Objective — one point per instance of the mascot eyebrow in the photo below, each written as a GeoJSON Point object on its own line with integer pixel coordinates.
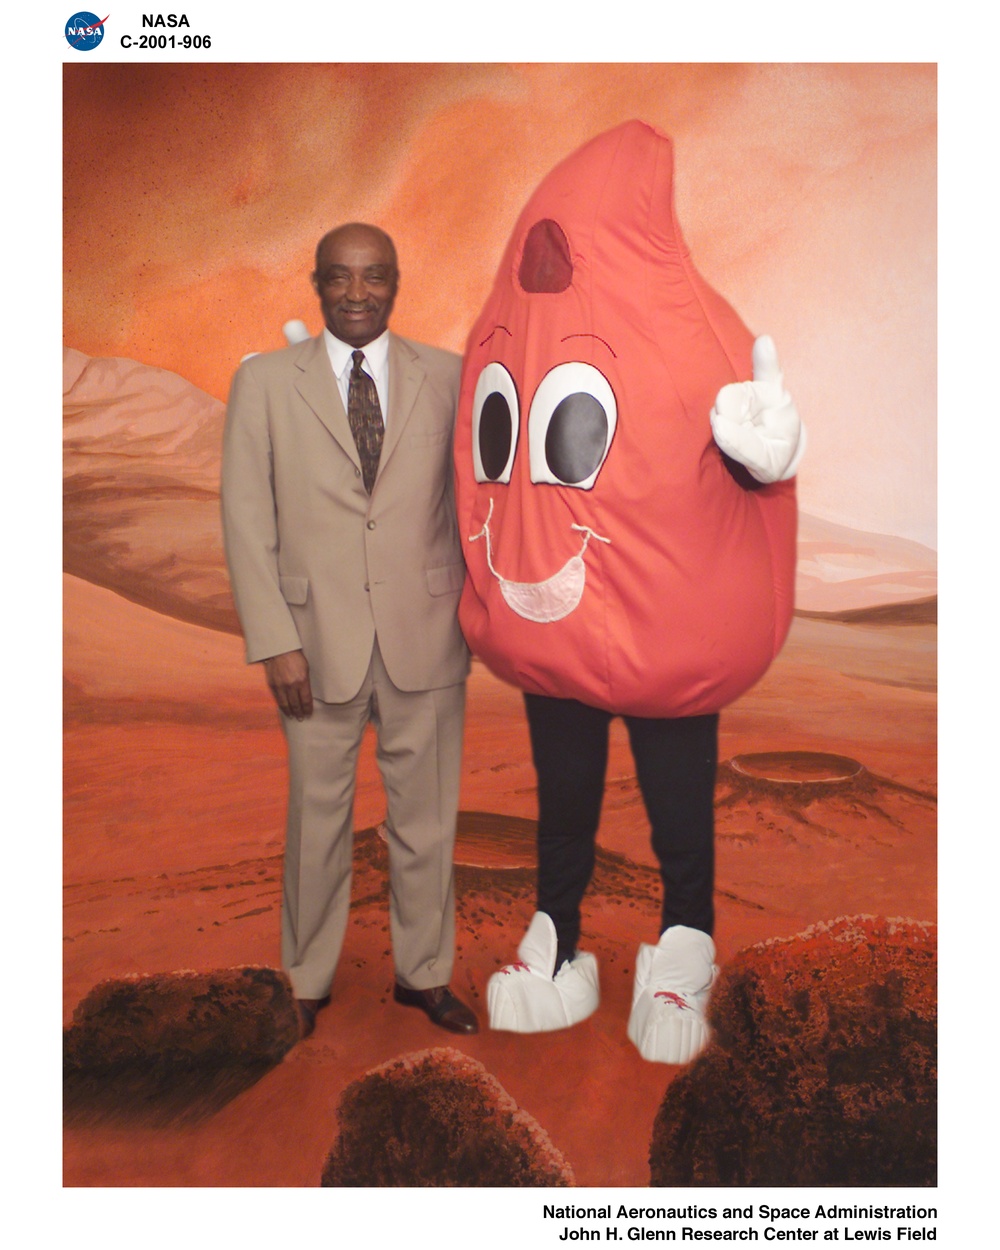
{"type": "Point", "coordinates": [492, 332]}
{"type": "Point", "coordinates": [583, 334]}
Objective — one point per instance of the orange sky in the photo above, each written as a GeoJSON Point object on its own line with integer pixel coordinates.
{"type": "Point", "coordinates": [807, 194]}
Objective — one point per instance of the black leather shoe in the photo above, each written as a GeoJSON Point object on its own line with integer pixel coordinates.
{"type": "Point", "coordinates": [307, 1009]}
{"type": "Point", "coordinates": [440, 1006]}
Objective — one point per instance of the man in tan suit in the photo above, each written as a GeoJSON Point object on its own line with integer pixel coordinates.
{"type": "Point", "coordinates": [346, 569]}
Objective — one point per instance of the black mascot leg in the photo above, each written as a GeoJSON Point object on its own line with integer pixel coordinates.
{"type": "Point", "coordinates": [675, 761]}
{"type": "Point", "coordinates": [569, 745]}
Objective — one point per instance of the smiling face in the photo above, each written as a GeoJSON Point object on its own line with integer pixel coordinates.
{"type": "Point", "coordinates": [356, 279]}
{"type": "Point", "coordinates": [612, 556]}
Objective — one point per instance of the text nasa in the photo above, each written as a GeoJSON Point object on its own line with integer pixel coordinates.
{"type": "Point", "coordinates": [748, 1234]}
{"type": "Point", "coordinates": [179, 36]}
{"type": "Point", "coordinates": [764, 1212]}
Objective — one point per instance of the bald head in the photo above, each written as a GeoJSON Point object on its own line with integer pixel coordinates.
{"type": "Point", "coordinates": [355, 230]}
{"type": "Point", "coordinates": [356, 279]}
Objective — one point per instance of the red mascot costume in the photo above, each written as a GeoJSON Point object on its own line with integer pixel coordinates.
{"type": "Point", "coordinates": [628, 514]}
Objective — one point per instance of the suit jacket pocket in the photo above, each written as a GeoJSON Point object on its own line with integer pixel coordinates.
{"type": "Point", "coordinates": [446, 578]}
{"type": "Point", "coordinates": [295, 589]}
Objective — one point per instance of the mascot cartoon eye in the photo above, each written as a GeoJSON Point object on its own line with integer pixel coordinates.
{"type": "Point", "coordinates": [571, 424]}
{"type": "Point", "coordinates": [495, 422]}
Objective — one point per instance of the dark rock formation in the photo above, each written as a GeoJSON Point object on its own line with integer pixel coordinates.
{"type": "Point", "coordinates": [174, 1047]}
{"type": "Point", "coordinates": [822, 1067]}
{"type": "Point", "coordinates": [437, 1117]}
{"type": "Point", "coordinates": [183, 1020]}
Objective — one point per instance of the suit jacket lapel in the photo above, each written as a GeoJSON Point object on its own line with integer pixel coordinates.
{"type": "Point", "coordinates": [406, 376]}
{"type": "Point", "coordinates": [318, 387]}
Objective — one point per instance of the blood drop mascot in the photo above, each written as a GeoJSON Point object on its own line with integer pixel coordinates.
{"type": "Point", "coordinates": [625, 454]}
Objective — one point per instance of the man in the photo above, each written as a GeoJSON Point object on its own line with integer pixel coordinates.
{"type": "Point", "coordinates": [346, 568]}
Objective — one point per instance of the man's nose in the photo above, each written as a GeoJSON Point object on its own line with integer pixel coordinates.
{"type": "Point", "coordinates": [357, 292]}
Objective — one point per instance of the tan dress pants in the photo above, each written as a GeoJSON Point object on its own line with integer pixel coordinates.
{"type": "Point", "coordinates": [419, 754]}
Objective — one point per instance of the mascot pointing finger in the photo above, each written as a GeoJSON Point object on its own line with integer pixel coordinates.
{"type": "Point", "coordinates": [625, 459]}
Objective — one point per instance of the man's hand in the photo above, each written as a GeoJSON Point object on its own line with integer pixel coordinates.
{"type": "Point", "coordinates": [288, 676]}
{"type": "Point", "coordinates": [756, 422]}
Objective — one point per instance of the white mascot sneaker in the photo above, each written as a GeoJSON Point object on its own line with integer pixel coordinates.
{"type": "Point", "coordinates": [524, 997]}
{"type": "Point", "coordinates": [672, 983]}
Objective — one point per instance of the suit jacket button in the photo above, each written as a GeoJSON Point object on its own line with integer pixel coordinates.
{"type": "Point", "coordinates": [367, 587]}
{"type": "Point", "coordinates": [371, 525]}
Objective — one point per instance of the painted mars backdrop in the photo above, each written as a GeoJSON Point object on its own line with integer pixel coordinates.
{"type": "Point", "coordinates": [807, 197]}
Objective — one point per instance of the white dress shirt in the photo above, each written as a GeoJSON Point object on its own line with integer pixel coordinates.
{"type": "Point", "coordinates": [376, 365]}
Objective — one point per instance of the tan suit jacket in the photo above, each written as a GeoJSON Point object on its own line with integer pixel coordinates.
{"type": "Point", "coordinates": [314, 561]}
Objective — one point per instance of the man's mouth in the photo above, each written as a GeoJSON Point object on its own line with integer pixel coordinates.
{"type": "Point", "coordinates": [549, 600]}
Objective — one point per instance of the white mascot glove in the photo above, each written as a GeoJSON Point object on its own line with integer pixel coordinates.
{"type": "Point", "coordinates": [757, 423]}
{"type": "Point", "coordinates": [294, 332]}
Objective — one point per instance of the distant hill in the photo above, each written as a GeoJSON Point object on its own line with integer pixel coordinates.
{"type": "Point", "coordinates": [846, 570]}
{"type": "Point", "coordinates": [916, 612]}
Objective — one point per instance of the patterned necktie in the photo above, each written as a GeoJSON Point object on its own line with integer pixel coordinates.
{"type": "Point", "coordinates": [365, 416]}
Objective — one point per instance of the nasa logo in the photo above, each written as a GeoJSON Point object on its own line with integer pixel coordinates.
{"type": "Point", "coordinates": [84, 31]}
